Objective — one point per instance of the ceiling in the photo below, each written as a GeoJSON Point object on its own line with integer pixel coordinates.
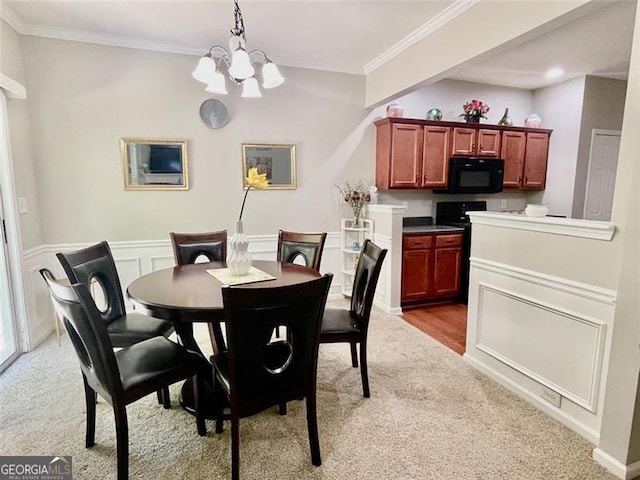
{"type": "Point", "coordinates": [342, 36]}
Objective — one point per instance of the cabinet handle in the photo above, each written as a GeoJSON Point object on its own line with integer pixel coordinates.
{"type": "Point", "coordinates": [473, 146]}
{"type": "Point", "coordinates": [424, 179]}
{"type": "Point", "coordinates": [480, 147]}
{"type": "Point", "coordinates": [519, 178]}
{"type": "Point", "coordinates": [417, 178]}
{"type": "Point", "coordinates": [526, 179]}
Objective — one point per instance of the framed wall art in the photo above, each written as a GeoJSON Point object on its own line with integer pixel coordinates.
{"type": "Point", "coordinates": [154, 164]}
{"type": "Point", "coordinates": [277, 161]}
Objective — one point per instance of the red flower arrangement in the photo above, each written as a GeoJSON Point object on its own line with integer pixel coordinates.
{"type": "Point", "coordinates": [474, 110]}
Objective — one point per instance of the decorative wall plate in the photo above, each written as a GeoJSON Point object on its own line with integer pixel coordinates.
{"type": "Point", "coordinates": [214, 113]}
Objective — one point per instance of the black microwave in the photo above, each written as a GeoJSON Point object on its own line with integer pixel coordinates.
{"type": "Point", "coordinates": [474, 175]}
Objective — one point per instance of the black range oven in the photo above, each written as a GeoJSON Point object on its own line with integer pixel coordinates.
{"type": "Point", "coordinates": [455, 213]}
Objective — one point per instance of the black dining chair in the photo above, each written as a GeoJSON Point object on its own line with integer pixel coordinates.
{"type": "Point", "coordinates": [124, 376]}
{"type": "Point", "coordinates": [95, 264]}
{"type": "Point", "coordinates": [258, 372]}
{"type": "Point", "coordinates": [352, 326]}
{"type": "Point", "coordinates": [187, 248]}
{"type": "Point", "coordinates": [308, 246]}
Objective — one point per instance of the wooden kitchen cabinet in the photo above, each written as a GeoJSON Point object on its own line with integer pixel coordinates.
{"type": "Point", "coordinates": [435, 156]}
{"type": "Point", "coordinates": [447, 265]}
{"type": "Point", "coordinates": [431, 266]}
{"type": "Point", "coordinates": [525, 159]}
{"type": "Point", "coordinates": [475, 142]}
{"type": "Point", "coordinates": [513, 145]}
{"type": "Point", "coordinates": [412, 156]}
{"type": "Point", "coordinates": [535, 161]}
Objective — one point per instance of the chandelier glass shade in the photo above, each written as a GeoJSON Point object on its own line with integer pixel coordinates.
{"type": "Point", "coordinates": [238, 64]}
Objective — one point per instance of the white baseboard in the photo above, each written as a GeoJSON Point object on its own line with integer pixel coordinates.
{"type": "Point", "coordinates": [583, 430]}
{"type": "Point", "coordinates": [625, 472]}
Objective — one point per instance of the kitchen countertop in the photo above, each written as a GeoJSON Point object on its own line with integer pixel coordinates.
{"type": "Point", "coordinates": [432, 229]}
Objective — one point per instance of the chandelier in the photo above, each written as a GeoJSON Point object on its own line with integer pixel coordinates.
{"type": "Point", "coordinates": [238, 64]}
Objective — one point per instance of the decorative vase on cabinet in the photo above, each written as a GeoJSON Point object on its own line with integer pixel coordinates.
{"type": "Point", "coordinates": [351, 240]}
{"type": "Point", "coordinates": [506, 119]}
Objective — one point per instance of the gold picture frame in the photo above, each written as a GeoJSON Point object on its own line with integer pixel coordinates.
{"type": "Point", "coordinates": [154, 164]}
{"type": "Point", "coordinates": [277, 161]}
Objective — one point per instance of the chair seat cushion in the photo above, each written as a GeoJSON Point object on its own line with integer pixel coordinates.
{"type": "Point", "coordinates": [135, 327]}
{"type": "Point", "coordinates": [274, 355]}
{"type": "Point", "coordinates": [150, 364]}
{"type": "Point", "coordinates": [338, 322]}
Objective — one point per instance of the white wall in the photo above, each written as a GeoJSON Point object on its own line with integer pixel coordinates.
{"type": "Point", "coordinates": [84, 97]}
{"type": "Point", "coordinates": [560, 107]}
{"type": "Point", "coordinates": [602, 107]}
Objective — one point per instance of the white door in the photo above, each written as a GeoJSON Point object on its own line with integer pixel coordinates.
{"type": "Point", "coordinates": [8, 344]}
{"type": "Point", "coordinates": [601, 179]}
{"type": "Point", "coordinates": [8, 317]}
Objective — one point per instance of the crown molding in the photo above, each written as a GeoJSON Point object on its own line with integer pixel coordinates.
{"type": "Point", "coordinates": [440, 20]}
{"type": "Point", "coordinates": [448, 14]}
{"type": "Point", "coordinates": [11, 18]}
{"type": "Point", "coordinates": [129, 42]}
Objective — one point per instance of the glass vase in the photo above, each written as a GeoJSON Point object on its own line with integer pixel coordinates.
{"type": "Point", "coordinates": [357, 219]}
{"type": "Point", "coordinates": [239, 261]}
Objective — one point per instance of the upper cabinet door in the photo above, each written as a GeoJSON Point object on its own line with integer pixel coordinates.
{"type": "Point", "coordinates": [464, 141]}
{"type": "Point", "coordinates": [512, 152]}
{"type": "Point", "coordinates": [435, 156]}
{"type": "Point", "coordinates": [406, 156]}
{"type": "Point", "coordinates": [535, 161]}
{"type": "Point", "coordinates": [488, 144]}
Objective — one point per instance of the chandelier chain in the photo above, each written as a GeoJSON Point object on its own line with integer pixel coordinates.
{"type": "Point", "coordinates": [239, 28]}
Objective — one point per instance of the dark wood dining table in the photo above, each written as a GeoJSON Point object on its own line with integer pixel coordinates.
{"type": "Point", "coordinates": [188, 294]}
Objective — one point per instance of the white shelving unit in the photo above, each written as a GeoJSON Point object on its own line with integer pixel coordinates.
{"type": "Point", "coordinates": [351, 240]}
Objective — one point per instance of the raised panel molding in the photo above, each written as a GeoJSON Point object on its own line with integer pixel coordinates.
{"type": "Point", "coordinates": [560, 350]}
{"type": "Point", "coordinates": [133, 259]}
{"type": "Point", "coordinates": [531, 331]}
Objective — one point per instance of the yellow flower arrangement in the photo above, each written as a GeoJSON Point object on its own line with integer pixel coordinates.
{"type": "Point", "coordinates": [255, 180]}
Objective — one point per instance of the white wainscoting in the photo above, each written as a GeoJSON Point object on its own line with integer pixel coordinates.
{"type": "Point", "coordinates": [531, 331]}
{"type": "Point", "coordinates": [136, 258]}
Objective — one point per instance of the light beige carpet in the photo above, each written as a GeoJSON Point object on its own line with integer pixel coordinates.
{"type": "Point", "coordinates": [430, 416]}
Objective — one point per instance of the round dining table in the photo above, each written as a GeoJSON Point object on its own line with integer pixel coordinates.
{"type": "Point", "coordinates": [186, 294]}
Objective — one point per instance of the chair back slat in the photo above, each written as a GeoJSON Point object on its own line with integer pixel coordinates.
{"type": "Point", "coordinates": [96, 263]}
{"type": "Point", "coordinates": [365, 282]}
{"type": "Point", "coordinates": [309, 246]}
{"type": "Point", "coordinates": [260, 367]}
{"type": "Point", "coordinates": [187, 247]}
{"type": "Point", "coordinates": [88, 334]}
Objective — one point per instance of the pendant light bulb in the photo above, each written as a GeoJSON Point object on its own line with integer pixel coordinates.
{"type": "Point", "coordinates": [205, 69]}
{"type": "Point", "coordinates": [250, 88]}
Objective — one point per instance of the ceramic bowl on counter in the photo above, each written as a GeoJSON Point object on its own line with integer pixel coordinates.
{"type": "Point", "coordinates": [534, 210]}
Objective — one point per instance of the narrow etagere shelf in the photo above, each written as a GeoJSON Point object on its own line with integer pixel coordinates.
{"type": "Point", "coordinates": [351, 240]}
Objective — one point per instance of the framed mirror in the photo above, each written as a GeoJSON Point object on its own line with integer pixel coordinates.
{"type": "Point", "coordinates": [278, 161]}
{"type": "Point", "coordinates": [154, 164]}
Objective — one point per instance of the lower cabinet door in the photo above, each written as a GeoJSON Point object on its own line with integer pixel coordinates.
{"type": "Point", "coordinates": [416, 274]}
{"type": "Point", "coordinates": [447, 264]}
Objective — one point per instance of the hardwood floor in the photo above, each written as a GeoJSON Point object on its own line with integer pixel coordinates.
{"type": "Point", "coordinates": [445, 323]}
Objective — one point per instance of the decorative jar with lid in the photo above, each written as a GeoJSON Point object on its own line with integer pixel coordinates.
{"type": "Point", "coordinates": [395, 110]}
{"type": "Point", "coordinates": [533, 121]}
